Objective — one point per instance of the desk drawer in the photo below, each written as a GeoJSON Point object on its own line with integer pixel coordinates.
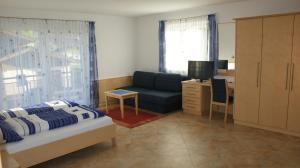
{"type": "Point", "coordinates": [196, 94]}
{"type": "Point", "coordinates": [191, 88]}
{"type": "Point", "coordinates": [191, 100]}
{"type": "Point", "coordinates": [188, 106]}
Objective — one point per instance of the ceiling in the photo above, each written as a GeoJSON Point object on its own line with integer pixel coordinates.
{"type": "Point", "coordinates": [113, 7]}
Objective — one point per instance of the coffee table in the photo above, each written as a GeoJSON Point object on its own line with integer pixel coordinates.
{"type": "Point", "coordinates": [121, 94]}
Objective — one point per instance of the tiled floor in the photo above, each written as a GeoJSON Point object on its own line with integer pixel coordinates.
{"type": "Point", "coordinates": [184, 141]}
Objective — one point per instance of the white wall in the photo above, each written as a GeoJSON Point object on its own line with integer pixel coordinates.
{"type": "Point", "coordinates": [147, 54]}
{"type": "Point", "coordinates": [127, 44]}
{"type": "Point", "coordinates": [114, 35]}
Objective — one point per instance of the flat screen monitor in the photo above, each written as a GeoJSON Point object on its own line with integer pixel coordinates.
{"type": "Point", "coordinates": [223, 64]}
{"type": "Point", "coordinates": [202, 70]}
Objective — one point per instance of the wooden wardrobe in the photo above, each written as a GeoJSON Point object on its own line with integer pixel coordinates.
{"type": "Point", "coordinates": [267, 86]}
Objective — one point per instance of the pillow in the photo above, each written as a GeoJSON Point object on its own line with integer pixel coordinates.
{"type": "Point", "coordinates": [70, 103]}
{"type": "Point", "coordinates": [12, 113]}
{"type": "Point", "coordinates": [7, 134]}
{"type": "Point", "coordinates": [143, 79]}
{"type": "Point", "coordinates": [35, 109]}
{"type": "Point", "coordinates": [21, 112]}
{"type": "Point", "coordinates": [57, 104]}
{"type": "Point", "coordinates": [168, 82]}
{"type": "Point", "coordinates": [41, 108]}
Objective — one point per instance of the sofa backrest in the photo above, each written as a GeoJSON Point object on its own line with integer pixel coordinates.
{"type": "Point", "coordinates": [158, 81]}
{"type": "Point", "coordinates": [168, 82]}
{"type": "Point", "coordinates": [144, 79]}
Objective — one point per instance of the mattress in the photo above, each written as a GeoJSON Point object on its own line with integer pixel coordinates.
{"type": "Point", "coordinates": [57, 134]}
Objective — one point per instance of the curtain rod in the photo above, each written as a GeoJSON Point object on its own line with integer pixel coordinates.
{"type": "Point", "coordinates": [188, 17]}
{"type": "Point", "coordinates": [46, 19]}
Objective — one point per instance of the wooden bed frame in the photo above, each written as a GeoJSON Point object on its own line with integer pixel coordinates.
{"type": "Point", "coordinates": [57, 148]}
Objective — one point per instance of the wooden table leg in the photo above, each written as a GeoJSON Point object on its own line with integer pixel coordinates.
{"type": "Point", "coordinates": [136, 105]}
{"type": "Point", "coordinates": [106, 103]}
{"type": "Point", "coordinates": [122, 107]}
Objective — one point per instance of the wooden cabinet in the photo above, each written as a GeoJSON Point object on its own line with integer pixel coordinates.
{"type": "Point", "coordinates": [274, 103]}
{"type": "Point", "coordinates": [248, 65]}
{"type": "Point", "coordinates": [294, 105]}
{"type": "Point", "coordinates": [195, 97]}
{"type": "Point", "coordinates": [276, 61]}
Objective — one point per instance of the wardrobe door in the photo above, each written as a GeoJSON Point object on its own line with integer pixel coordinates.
{"type": "Point", "coordinates": [294, 104]}
{"type": "Point", "coordinates": [276, 63]}
{"type": "Point", "coordinates": [248, 62]}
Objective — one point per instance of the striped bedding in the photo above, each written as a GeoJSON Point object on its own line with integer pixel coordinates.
{"type": "Point", "coordinates": [44, 107]}
{"type": "Point", "coordinates": [47, 116]}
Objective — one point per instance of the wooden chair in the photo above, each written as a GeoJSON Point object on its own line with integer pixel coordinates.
{"type": "Point", "coordinates": [220, 96]}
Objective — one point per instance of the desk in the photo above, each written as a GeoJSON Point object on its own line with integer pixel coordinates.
{"type": "Point", "coordinates": [196, 96]}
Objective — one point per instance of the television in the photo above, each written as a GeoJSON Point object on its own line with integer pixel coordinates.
{"type": "Point", "coordinates": [223, 64]}
{"type": "Point", "coordinates": [203, 70]}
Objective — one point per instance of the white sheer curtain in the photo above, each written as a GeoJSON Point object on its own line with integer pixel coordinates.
{"type": "Point", "coordinates": [42, 60]}
{"type": "Point", "coordinates": [186, 39]}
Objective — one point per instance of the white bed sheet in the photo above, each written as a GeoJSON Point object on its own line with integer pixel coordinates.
{"type": "Point", "coordinates": [57, 134]}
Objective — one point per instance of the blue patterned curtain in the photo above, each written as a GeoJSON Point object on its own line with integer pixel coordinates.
{"type": "Point", "coordinates": [94, 89]}
{"type": "Point", "coordinates": [213, 40]}
{"type": "Point", "coordinates": [43, 60]}
{"type": "Point", "coordinates": [162, 47]}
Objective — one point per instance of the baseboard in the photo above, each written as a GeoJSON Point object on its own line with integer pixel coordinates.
{"type": "Point", "coordinates": [266, 128]}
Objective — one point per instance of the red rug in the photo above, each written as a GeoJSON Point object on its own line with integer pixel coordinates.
{"type": "Point", "coordinates": [132, 120]}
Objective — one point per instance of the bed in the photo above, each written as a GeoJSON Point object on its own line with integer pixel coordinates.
{"type": "Point", "coordinates": [38, 148]}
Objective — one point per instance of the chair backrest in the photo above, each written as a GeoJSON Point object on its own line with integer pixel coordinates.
{"type": "Point", "coordinates": [219, 90]}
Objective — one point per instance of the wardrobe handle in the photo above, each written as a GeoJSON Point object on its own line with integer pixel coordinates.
{"type": "Point", "coordinates": [292, 78]}
{"type": "Point", "coordinates": [257, 74]}
{"type": "Point", "coordinates": [287, 76]}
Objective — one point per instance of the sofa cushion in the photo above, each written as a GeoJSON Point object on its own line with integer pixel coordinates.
{"type": "Point", "coordinates": [154, 107]}
{"type": "Point", "coordinates": [143, 79]}
{"type": "Point", "coordinates": [156, 96]}
{"type": "Point", "coordinates": [163, 97]}
{"type": "Point", "coordinates": [168, 82]}
{"type": "Point", "coordinates": [143, 94]}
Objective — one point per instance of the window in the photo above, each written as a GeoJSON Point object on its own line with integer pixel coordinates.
{"type": "Point", "coordinates": [186, 39]}
{"type": "Point", "coordinates": [42, 60]}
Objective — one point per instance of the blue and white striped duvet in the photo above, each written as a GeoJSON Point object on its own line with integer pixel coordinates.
{"type": "Point", "coordinates": [40, 108]}
{"type": "Point", "coordinates": [47, 116]}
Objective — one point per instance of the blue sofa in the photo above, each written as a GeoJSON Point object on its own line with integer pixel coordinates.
{"type": "Point", "coordinates": [159, 92]}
